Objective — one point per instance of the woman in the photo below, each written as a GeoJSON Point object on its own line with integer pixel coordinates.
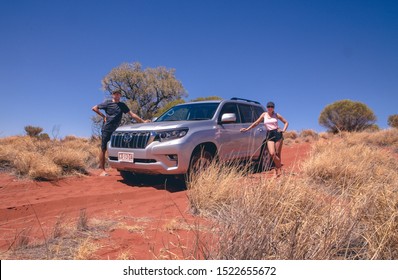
{"type": "Point", "coordinates": [274, 138]}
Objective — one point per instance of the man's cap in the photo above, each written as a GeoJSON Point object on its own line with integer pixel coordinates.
{"type": "Point", "coordinates": [271, 104]}
{"type": "Point", "coordinates": [116, 91]}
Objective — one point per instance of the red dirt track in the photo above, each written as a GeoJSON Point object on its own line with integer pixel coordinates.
{"type": "Point", "coordinates": [147, 215]}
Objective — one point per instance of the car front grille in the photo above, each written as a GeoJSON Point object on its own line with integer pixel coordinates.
{"type": "Point", "coordinates": [130, 139]}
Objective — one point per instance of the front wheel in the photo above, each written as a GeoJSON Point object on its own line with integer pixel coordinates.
{"type": "Point", "coordinates": [200, 160]}
{"type": "Point", "coordinates": [126, 175]}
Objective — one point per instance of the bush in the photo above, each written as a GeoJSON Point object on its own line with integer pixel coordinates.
{"type": "Point", "coordinates": [50, 159]}
{"type": "Point", "coordinates": [393, 121]}
{"type": "Point", "coordinates": [33, 131]}
{"type": "Point", "coordinates": [35, 166]}
{"type": "Point", "coordinates": [290, 135]}
{"type": "Point", "coordinates": [43, 137]}
{"type": "Point", "coordinates": [346, 115]}
{"type": "Point", "coordinates": [308, 133]}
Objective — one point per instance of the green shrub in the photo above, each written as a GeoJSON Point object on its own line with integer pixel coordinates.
{"type": "Point", "coordinates": [33, 131]}
{"type": "Point", "coordinates": [393, 121]}
{"type": "Point", "coordinates": [346, 115]}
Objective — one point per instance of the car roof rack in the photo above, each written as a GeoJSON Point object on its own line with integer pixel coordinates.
{"type": "Point", "coordinates": [247, 100]}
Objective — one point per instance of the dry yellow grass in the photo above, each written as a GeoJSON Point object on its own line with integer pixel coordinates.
{"type": "Point", "coordinates": [211, 187]}
{"type": "Point", "coordinates": [86, 249]}
{"type": "Point", "coordinates": [67, 240]}
{"type": "Point", "coordinates": [48, 159]}
{"type": "Point", "coordinates": [344, 205]}
{"type": "Point", "coordinates": [290, 135]}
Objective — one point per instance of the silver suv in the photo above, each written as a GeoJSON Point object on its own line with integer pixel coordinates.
{"type": "Point", "coordinates": [188, 136]}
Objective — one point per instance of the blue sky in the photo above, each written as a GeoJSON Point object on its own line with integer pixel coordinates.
{"type": "Point", "coordinates": [303, 55]}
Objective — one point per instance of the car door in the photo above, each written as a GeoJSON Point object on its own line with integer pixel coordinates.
{"type": "Point", "coordinates": [255, 136]}
{"type": "Point", "coordinates": [231, 142]}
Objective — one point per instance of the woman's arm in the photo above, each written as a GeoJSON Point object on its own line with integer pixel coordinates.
{"type": "Point", "coordinates": [282, 119]}
{"type": "Point", "coordinates": [260, 119]}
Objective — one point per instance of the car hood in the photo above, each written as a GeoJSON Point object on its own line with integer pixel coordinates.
{"type": "Point", "coordinates": [160, 125]}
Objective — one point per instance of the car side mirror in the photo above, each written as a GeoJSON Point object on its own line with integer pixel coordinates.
{"type": "Point", "coordinates": [228, 118]}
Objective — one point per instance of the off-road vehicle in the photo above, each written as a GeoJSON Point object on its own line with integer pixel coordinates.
{"type": "Point", "coordinates": [189, 136]}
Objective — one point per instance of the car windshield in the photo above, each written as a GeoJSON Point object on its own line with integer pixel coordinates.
{"type": "Point", "coordinates": [189, 112]}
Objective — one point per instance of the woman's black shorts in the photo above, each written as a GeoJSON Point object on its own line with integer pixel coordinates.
{"type": "Point", "coordinates": [274, 135]}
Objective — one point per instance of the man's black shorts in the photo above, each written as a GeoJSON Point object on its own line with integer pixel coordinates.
{"type": "Point", "coordinates": [106, 136]}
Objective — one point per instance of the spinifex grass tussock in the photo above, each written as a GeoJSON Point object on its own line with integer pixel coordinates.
{"type": "Point", "coordinates": [383, 138]}
{"type": "Point", "coordinates": [274, 219]}
{"type": "Point", "coordinates": [69, 159]}
{"type": "Point", "coordinates": [212, 187]}
{"type": "Point", "coordinates": [367, 178]}
{"type": "Point", "coordinates": [344, 205]}
{"type": "Point", "coordinates": [309, 133]}
{"type": "Point", "coordinates": [47, 159]}
{"type": "Point", "coordinates": [290, 135]}
{"type": "Point", "coordinates": [350, 167]}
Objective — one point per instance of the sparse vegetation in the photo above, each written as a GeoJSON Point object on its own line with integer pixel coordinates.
{"type": "Point", "coordinates": [40, 159]}
{"type": "Point", "coordinates": [67, 241]}
{"type": "Point", "coordinates": [342, 206]}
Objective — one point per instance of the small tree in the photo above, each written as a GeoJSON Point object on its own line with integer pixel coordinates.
{"type": "Point", "coordinates": [346, 115]}
{"type": "Point", "coordinates": [393, 121]}
{"type": "Point", "coordinates": [168, 106]}
{"type": "Point", "coordinates": [206, 98]}
{"type": "Point", "coordinates": [33, 131]}
{"type": "Point", "coordinates": [146, 90]}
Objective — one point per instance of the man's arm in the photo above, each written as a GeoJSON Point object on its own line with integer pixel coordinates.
{"type": "Point", "coordinates": [136, 117]}
{"type": "Point", "coordinates": [96, 109]}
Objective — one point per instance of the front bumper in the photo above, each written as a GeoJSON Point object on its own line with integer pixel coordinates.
{"type": "Point", "coordinates": [157, 158]}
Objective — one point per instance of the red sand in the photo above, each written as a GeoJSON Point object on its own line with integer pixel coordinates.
{"type": "Point", "coordinates": [148, 219]}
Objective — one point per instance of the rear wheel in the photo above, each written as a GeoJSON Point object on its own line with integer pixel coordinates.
{"type": "Point", "coordinates": [265, 162]}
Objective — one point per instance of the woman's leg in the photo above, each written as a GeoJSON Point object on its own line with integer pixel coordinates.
{"type": "Point", "coordinates": [274, 156]}
{"type": "Point", "coordinates": [278, 147]}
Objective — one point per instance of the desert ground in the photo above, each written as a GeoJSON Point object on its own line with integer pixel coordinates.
{"type": "Point", "coordinates": [93, 217]}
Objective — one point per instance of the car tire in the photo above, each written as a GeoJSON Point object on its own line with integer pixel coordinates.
{"type": "Point", "coordinates": [200, 160]}
{"type": "Point", "coordinates": [126, 175]}
{"type": "Point", "coordinates": [265, 162]}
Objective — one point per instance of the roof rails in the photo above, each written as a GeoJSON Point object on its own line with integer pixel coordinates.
{"type": "Point", "coordinates": [247, 100]}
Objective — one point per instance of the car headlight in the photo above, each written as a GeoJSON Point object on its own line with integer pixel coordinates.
{"type": "Point", "coordinates": [167, 135]}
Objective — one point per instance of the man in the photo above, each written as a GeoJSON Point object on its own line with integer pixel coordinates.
{"type": "Point", "coordinates": [114, 110]}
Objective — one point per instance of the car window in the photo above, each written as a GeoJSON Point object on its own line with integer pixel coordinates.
{"type": "Point", "coordinates": [193, 112]}
{"type": "Point", "coordinates": [257, 111]}
{"type": "Point", "coordinates": [246, 113]}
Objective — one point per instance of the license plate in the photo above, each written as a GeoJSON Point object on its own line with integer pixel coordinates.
{"type": "Point", "coordinates": [126, 157]}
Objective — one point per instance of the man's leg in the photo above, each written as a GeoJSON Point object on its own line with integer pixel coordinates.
{"type": "Point", "coordinates": [106, 136]}
{"type": "Point", "coordinates": [102, 159]}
